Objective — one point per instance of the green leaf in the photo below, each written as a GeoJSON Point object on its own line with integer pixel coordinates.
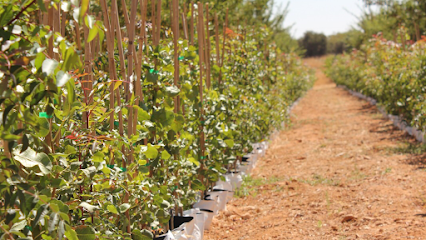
{"type": "Point", "coordinates": [83, 8]}
{"type": "Point", "coordinates": [90, 21]}
{"type": "Point", "coordinates": [18, 226]}
{"type": "Point", "coordinates": [197, 185]}
{"type": "Point", "coordinates": [98, 157]}
{"type": "Point", "coordinates": [165, 155]}
{"type": "Point", "coordinates": [92, 33]}
{"type": "Point", "coordinates": [194, 161]}
{"type": "Point", "coordinates": [29, 158]}
{"type": "Point", "coordinates": [229, 142]}
{"type": "Point", "coordinates": [70, 149]}
{"type": "Point", "coordinates": [62, 78]}
{"type": "Point", "coordinates": [112, 209]}
{"type": "Point", "coordinates": [49, 66]}
{"type": "Point", "coordinates": [142, 114]}
{"type": "Point", "coordinates": [6, 112]}
{"type": "Point", "coordinates": [38, 61]}
{"type": "Point", "coordinates": [142, 235]}
{"type": "Point", "coordinates": [41, 5]}
{"type": "Point", "coordinates": [151, 152]}
{"type": "Point", "coordinates": [71, 60]}
{"type": "Point", "coordinates": [7, 14]}
{"type": "Point", "coordinates": [70, 233]}
{"type": "Point", "coordinates": [41, 212]}
{"type": "Point", "coordinates": [124, 207]}
{"type": "Point", "coordinates": [85, 233]}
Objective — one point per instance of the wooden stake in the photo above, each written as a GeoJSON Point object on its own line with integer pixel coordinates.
{"type": "Point", "coordinates": [63, 21]}
{"type": "Point", "coordinates": [218, 62]}
{"type": "Point", "coordinates": [138, 85]}
{"type": "Point", "coordinates": [153, 21]}
{"type": "Point", "coordinates": [121, 56]}
{"type": "Point", "coordinates": [207, 48]}
{"type": "Point", "coordinates": [201, 53]}
{"type": "Point", "coordinates": [184, 23]}
{"type": "Point", "coordinates": [175, 29]}
{"type": "Point", "coordinates": [158, 22]}
{"type": "Point", "coordinates": [191, 27]}
{"type": "Point", "coordinates": [130, 75]}
{"type": "Point", "coordinates": [125, 14]}
{"type": "Point", "coordinates": [224, 39]}
{"type": "Point", "coordinates": [111, 61]}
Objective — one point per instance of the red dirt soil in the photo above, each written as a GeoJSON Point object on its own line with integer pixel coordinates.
{"type": "Point", "coordinates": [341, 171]}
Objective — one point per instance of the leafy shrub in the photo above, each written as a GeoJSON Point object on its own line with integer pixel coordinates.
{"type": "Point", "coordinates": [91, 151]}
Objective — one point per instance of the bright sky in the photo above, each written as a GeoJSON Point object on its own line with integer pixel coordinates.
{"type": "Point", "coordinates": [326, 16]}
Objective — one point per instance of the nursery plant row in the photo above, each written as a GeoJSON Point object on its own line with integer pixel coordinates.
{"type": "Point", "coordinates": [390, 74]}
{"type": "Point", "coordinates": [396, 120]}
{"type": "Point", "coordinates": [118, 116]}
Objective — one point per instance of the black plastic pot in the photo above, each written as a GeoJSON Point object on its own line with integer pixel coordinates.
{"type": "Point", "coordinates": [161, 237]}
{"type": "Point", "coordinates": [179, 220]}
{"type": "Point", "coordinates": [206, 210]}
{"type": "Point", "coordinates": [219, 190]}
{"type": "Point", "coordinates": [207, 197]}
{"type": "Point", "coordinates": [245, 158]}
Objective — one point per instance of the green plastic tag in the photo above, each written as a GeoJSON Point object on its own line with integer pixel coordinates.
{"type": "Point", "coordinates": [181, 58]}
{"type": "Point", "coordinates": [44, 115]}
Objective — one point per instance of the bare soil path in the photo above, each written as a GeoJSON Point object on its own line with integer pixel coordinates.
{"type": "Point", "coordinates": [341, 171]}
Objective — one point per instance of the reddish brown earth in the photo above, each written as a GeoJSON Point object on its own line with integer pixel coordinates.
{"type": "Point", "coordinates": [341, 171]}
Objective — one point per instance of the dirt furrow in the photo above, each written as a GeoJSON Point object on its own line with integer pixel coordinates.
{"type": "Point", "coordinates": [341, 171]}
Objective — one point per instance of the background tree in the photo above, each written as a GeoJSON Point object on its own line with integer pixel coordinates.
{"type": "Point", "coordinates": [315, 44]}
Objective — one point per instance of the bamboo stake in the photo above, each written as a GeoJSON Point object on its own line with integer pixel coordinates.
{"type": "Point", "coordinates": [131, 49]}
{"type": "Point", "coordinates": [88, 71]}
{"type": "Point", "coordinates": [153, 22]}
{"type": "Point", "coordinates": [130, 74]}
{"type": "Point", "coordinates": [185, 31]}
{"type": "Point", "coordinates": [111, 61]}
{"type": "Point", "coordinates": [120, 43]}
{"type": "Point", "coordinates": [138, 85]}
{"type": "Point", "coordinates": [207, 48]}
{"type": "Point", "coordinates": [143, 39]}
{"type": "Point", "coordinates": [50, 19]}
{"type": "Point", "coordinates": [175, 28]}
{"type": "Point", "coordinates": [224, 39]}
{"type": "Point", "coordinates": [121, 56]}
{"type": "Point", "coordinates": [158, 22]}
{"type": "Point", "coordinates": [201, 53]}
{"type": "Point", "coordinates": [125, 14]}
{"type": "Point", "coordinates": [78, 35]}
{"type": "Point", "coordinates": [56, 26]}
{"type": "Point", "coordinates": [216, 25]}
{"type": "Point", "coordinates": [63, 21]}
{"type": "Point", "coordinates": [184, 23]}
{"type": "Point", "coordinates": [191, 27]}
{"type": "Point", "coordinates": [50, 23]}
